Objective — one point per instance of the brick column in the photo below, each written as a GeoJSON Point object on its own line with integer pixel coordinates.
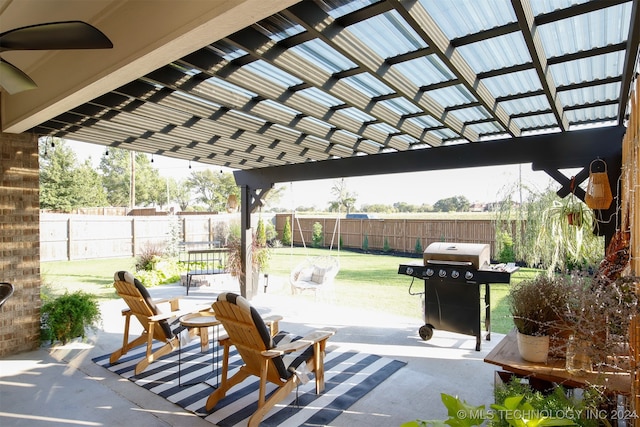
{"type": "Point", "coordinates": [20, 234]}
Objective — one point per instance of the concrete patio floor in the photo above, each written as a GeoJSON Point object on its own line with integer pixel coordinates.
{"type": "Point", "coordinates": [60, 385]}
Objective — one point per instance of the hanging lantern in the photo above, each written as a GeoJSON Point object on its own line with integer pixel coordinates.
{"type": "Point", "coordinates": [232, 203]}
{"type": "Point", "coordinates": [598, 189]}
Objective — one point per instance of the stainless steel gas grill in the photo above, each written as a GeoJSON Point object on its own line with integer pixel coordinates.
{"type": "Point", "coordinates": [453, 275]}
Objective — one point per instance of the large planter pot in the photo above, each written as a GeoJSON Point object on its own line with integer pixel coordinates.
{"type": "Point", "coordinates": [533, 348]}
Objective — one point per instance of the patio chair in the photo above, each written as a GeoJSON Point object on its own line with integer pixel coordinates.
{"type": "Point", "coordinates": [314, 274]}
{"type": "Point", "coordinates": [283, 360]}
{"type": "Point", "coordinates": [155, 323]}
{"type": "Point", "coordinates": [6, 290]}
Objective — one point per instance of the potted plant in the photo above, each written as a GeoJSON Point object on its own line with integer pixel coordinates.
{"type": "Point", "coordinates": [569, 222]}
{"type": "Point", "coordinates": [260, 256]}
{"type": "Point", "coordinates": [598, 316]}
{"type": "Point", "coordinates": [67, 316]}
{"type": "Point", "coordinates": [537, 305]}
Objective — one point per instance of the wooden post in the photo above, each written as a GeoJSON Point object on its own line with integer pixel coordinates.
{"type": "Point", "coordinates": [69, 239]}
{"type": "Point", "coordinates": [133, 237]}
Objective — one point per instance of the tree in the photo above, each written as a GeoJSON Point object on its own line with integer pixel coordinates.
{"type": "Point", "coordinates": [63, 184]}
{"type": "Point", "coordinates": [274, 195]}
{"type": "Point", "coordinates": [213, 188]}
{"type": "Point", "coordinates": [378, 208]}
{"type": "Point", "coordinates": [182, 196]}
{"type": "Point", "coordinates": [150, 187]}
{"type": "Point", "coordinates": [116, 168]}
{"type": "Point", "coordinates": [344, 198]}
{"type": "Point", "coordinates": [116, 176]}
{"type": "Point", "coordinates": [88, 183]}
{"type": "Point", "coordinates": [452, 204]}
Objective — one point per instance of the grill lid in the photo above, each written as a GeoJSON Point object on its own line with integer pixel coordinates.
{"type": "Point", "coordinates": [476, 254]}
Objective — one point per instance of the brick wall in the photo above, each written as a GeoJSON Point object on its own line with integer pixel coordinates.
{"type": "Point", "coordinates": [20, 234]}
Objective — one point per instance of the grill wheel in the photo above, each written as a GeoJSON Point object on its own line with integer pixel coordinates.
{"type": "Point", "coordinates": [426, 332]}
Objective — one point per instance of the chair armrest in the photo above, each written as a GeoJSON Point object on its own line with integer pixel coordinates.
{"type": "Point", "coordinates": [174, 302]}
{"type": "Point", "coordinates": [297, 345]}
{"type": "Point", "coordinates": [272, 318]}
{"type": "Point", "coordinates": [163, 300]}
{"type": "Point", "coordinates": [179, 313]}
{"type": "Point", "coordinates": [272, 323]}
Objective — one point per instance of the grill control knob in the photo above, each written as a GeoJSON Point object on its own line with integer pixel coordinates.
{"type": "Point", "coordinates": [468, 275]}
{"type": "Point", "coordinates": [409, 271]}
{"type": "Point", "coordinates": [442, 273]}
{"type": "Point", "coordinates": [429, 272]}
{"type": "Point", "coordinates": [455, 274]}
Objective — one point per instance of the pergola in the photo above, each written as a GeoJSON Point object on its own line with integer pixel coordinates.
{"type": "Point", "coordinates": [289, 90]}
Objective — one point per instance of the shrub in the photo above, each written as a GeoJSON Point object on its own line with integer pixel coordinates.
{"type": "Point", "coordinates": [150, 255]}
{"type": "Point", "coordinates": [166, 271]}
{"type": "Point", "coordinates": [385, 246]}
{"type": "Point", "coordinates": [505, 242]}
{"type": "Point", "coordinates": [418, 247]}
{"type": "Point", "coordinates": [316, 237]}
{"type": "Point", "coordinates": [271, 233]}
{"type": "Point", "coordinates": [66, 317]}
{"type": "Point", "coordinates": [286, 233]}
{"type": "Point", "coordinates": [365, 243]}
{"type": "Point", "coordinates": [261, 234]}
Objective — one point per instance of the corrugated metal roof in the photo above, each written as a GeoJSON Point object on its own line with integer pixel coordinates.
{"type": "Point", "coordinates": [340, 78]}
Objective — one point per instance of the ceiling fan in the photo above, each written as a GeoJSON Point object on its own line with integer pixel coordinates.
{"type": "Point", "coordinates": [48, 36]}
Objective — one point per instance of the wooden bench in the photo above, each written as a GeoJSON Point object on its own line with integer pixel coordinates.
{"type": "Point", "coordinates": [205, 262]}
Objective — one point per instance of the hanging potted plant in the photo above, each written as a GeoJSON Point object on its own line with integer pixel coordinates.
{"type": "Point", "coordinates": [576, 212]}
{"type": "Point", "coordinates": [569, 222]}
{"type": "Point", "coordinates": [536, 306]}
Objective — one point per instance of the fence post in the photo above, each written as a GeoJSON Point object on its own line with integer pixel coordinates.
{"type": "Point", "coordinates": [69, 239]}
{"type": "Point", "coordinates": [133, 236]}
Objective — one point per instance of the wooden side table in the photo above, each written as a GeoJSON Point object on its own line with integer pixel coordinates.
{"type": "Point", "coordinates": [505, 354]}
{"type": "Point", "coordinates": [202, 321]}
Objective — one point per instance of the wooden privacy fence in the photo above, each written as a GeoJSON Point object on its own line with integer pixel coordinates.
{"type": "Point", "coordinates": [73, 237]}
{"type": "Point", "coordinates": [401, 235]}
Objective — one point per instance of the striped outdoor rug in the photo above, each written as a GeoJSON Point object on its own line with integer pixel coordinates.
{"type": "Point", "coordinates": [349, 375]}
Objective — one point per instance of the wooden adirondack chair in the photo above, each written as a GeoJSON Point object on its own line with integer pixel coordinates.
{"type": "Point", "coordinates": [154, 322]}
{"type": "Point", "coordinates": [271, 358]}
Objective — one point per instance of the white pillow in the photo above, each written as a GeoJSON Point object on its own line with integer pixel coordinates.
{"type": "Point", "coordinates": [318, 275]}
{"type": "Point", "coordinates": [305, 274]}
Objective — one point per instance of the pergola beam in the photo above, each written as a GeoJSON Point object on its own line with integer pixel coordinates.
{"type": "Point", "coordinates": [554, 151]}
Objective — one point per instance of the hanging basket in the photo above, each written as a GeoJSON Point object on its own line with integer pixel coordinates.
{"type": "Point", "coordinates": [598, 189]}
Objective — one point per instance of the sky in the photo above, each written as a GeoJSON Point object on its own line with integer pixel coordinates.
{"type": "Point", "coordinates": [481, 184]}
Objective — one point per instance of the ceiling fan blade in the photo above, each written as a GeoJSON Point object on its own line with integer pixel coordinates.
{"type": "Point", "coordinates": [13, 80]}
{"type": "Point", "coordinates": [54, 36]}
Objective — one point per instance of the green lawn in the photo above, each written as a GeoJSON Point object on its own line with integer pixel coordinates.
{"type": "Point", "coordinates": [94, 276]}
{"type": "Point", "coordinates": [364, 281]}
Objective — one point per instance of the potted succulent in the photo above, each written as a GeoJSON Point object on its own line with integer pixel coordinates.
{"type": "Point", "coordinates": [537, 307]}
